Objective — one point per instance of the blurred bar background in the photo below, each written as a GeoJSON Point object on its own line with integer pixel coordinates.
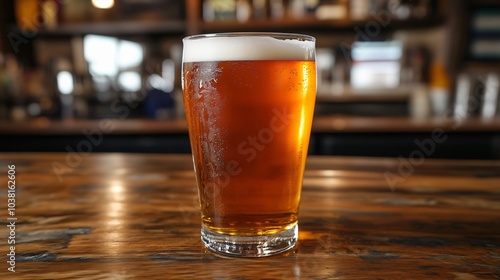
{"type": "Point", "coordinates": [396, 78]}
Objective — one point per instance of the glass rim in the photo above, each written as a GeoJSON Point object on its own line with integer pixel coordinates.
{"type": "Point", "coordinates": [276, 35]}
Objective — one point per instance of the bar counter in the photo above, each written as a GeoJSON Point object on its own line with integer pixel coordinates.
{"type": "Point", "coordinates": [472, 138]}
{"type": "Point", "coordinates": [135, 216]}
{"type": "Point", "coordinates": [321, 124]}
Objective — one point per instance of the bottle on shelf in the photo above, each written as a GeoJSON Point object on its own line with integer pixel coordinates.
{"type": "Point", "coordinates": [439, 89]}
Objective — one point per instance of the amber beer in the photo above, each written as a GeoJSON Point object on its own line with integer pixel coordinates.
{"type": "Point", "coordinates": [249, 107]}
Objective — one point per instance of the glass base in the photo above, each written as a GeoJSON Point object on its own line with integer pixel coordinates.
{"type": "Point", "coordinates": [250, 246]}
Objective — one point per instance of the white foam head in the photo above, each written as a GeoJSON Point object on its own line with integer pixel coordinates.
{"type": "Point", "coordinates": [224, 48]}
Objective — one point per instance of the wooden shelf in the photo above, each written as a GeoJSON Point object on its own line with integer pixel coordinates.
{"type": "Point", "coordinates": [310, 23]}
{"type": "Point", "coordinates": [481, 66]}
{"type": "Point", "coordinates": [116, 28]}
{"type": "Point", "coordinates": [361, 98]}
{"type": "Point", "coordinates": [180, 26]}
{"type": "Point", "coordinates": [357, 124]}
{"type": "Point", "coordinates": [351, 95]}
{"type": "Point", "coordinates": [43, 126]}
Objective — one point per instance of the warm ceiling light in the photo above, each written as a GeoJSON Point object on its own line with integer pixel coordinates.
{"type": "Point", "coordinates": [103, 4]}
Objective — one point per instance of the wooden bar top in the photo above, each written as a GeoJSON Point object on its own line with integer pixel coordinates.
{"type": "Point", "coordinates": [321, 124]}
{"type": "Point", "coordinates": [135, 216]}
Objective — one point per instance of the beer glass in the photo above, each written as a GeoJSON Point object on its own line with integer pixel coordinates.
{"type": "Point", "coordinates": [249, 101]}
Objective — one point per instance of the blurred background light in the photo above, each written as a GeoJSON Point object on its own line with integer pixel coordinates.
{"type": "Point", "coordinates": [103, 4]}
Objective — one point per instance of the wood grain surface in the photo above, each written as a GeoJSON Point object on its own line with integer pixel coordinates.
{"type": "Point", "coordinates": [134, 216]}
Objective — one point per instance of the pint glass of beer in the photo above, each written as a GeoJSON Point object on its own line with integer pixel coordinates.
{"type": "Point", "coordinates": [249, 101]}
